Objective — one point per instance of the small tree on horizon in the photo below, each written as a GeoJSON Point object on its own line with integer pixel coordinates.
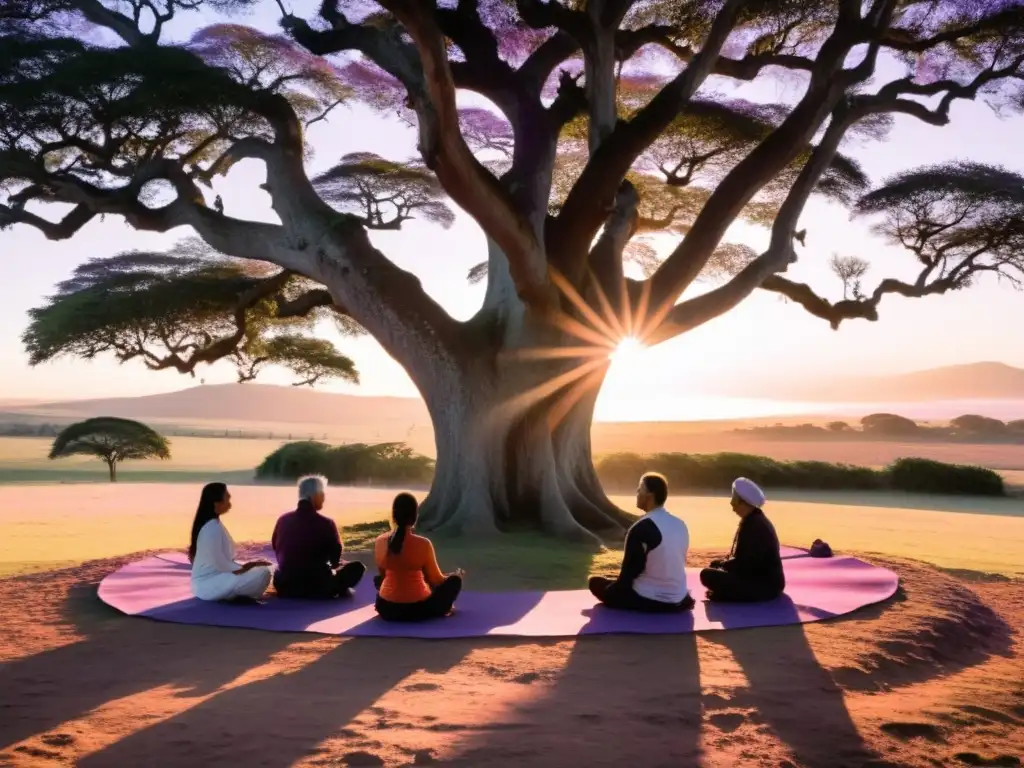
{"type": "Point", "coordinates": [599, 125]}
{"type": "Point", "coordinates": [111, 439]}
{"type": "Point", "coordinates": [889, 424]}
{"type": "Point", "coordinates": [973, 424]}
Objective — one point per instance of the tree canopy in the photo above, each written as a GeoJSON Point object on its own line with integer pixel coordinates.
{"type": "Point", "coordinates": [188, 306]}
{"type": "Point", "coordinates": [604, 148]}
{"type": "Point", "coordinates": [111, 439]}
{"type": "Point", "coordinates": [603, 111]}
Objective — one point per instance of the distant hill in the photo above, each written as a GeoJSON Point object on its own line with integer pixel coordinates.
{"type": "Point", "coordinates": [262, 403]}
{"type": "Point", "coordinates": [973, 381]}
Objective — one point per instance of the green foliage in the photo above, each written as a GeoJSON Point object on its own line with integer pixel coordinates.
{"type": "Point", "coordinates": [382, 463]}
{"type": "Point", "coordinates": [926, 476]}
{"type": "Point", "coordinates": [717, 471]}
{"type": "Point", "coordinates": [111, 439]}
{"type": "Point", "coordinates": [102, 112]}
{"type": "Point", "coordinates": [384, 193]}
{"type": "Point", "coordinates": [178, 309]}
{"type": "Point", "coordinates": [972, 424]}
{"type": "Point", "coordinates": [889, 424]}
{"type": "Point", "coordinates": [310, 358]}
{"type": "Point", "coordinates": [960, 219]}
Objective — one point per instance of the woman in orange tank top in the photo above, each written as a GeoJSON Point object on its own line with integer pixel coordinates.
{"type": "Point", "coordinates": [411, 586]}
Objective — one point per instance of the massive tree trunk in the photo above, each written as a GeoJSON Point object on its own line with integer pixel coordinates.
{"type": "Point", "coordinates": [512, 412]}
{"type": "Point", "coordinates": [513, 451]}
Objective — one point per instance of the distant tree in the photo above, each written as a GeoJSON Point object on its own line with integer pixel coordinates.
{"type": "Point", "coordinates": [889, 425]}
{"type": "Point", "coordinates": [1016, 426]}
{"type": "Point", "coordinates": [111, 439]}
{"type": "Point", "coordinates": [982, 426]}
{"type": "Point", "coordinates": [186, 307]}
{"type": "Point", "coordinates": [851, 270]}
{"type": "Point", "coordinates": [838, 426]}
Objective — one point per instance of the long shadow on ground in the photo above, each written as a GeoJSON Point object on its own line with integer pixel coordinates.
{"type": "Point", "coordinates": [789, 691]}
{"type": "Point", "coordinates": [619, 700]}
{"type": "Point", "coordinates": [283, 718]}
{"type": "Point", "coordinates": [112, 662]}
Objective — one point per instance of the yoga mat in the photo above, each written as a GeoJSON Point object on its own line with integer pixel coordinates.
{"type": "Point", "coordinates": [158, 588]}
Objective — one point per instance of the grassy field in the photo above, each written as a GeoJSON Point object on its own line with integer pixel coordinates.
{"type": "Point", "coordinates": [200, 459]}
{"type": "Point", "coordinates": [43, 526]}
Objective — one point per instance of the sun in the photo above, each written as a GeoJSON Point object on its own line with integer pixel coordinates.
{"type": "Point", "coordinates": [627, 350]}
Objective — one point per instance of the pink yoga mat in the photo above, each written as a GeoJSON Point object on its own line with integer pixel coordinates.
{"type": "Point", "coordinates": [158, 588]}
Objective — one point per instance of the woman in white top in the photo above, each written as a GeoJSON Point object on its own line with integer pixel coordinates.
{"type": "Point", "coordinates": [215, 574]}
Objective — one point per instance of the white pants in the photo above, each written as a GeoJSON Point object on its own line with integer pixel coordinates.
{"type": "Point", "coordinates": [226, 586]}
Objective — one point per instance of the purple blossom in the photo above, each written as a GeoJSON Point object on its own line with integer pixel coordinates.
{"type": "Point", "coordinates": [373, 86]}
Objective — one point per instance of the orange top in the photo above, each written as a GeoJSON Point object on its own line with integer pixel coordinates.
{"type": "Point", "coordinates": [409, 575]}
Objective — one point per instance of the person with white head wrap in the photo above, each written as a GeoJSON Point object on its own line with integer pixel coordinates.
{"type": "Point", "coordinates": [749, 492]}
{"type": "Point", "coordinates": [753, 571]}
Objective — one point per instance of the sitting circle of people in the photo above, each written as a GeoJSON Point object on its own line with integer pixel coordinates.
{"type": "Point", "coordinates": [410, 585]}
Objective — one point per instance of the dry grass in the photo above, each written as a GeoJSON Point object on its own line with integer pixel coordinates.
{"type": "Point", "coordinates": [61, 523]}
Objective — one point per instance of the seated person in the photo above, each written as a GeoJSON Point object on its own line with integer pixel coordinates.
{"type": "Point", "coordinates": [753, 572]}
{"type": "Point", "coordinates": [412, 587]}
{"type": "Point", "coordinates": [653, 574]}
{"type": "Point", "coordinates": [308, 549]}
{"type": "Point", "coordinates": [215, 574]}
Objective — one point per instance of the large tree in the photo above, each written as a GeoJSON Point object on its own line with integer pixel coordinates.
{"type": "Point", "coordinates": [597, 123]}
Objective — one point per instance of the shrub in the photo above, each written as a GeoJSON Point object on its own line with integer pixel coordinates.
{"type": "Point", "coordinates": [889, 424]}
{"type": "Point", "coordinates": [981, 426]}
{"type": "Point", "coordinates": [293, 460]}
{"type": "Point", "coordinates": [718, 470]}
{"type": "Point", "coordinates": [620, 472]}
{"type": "Point", "coordinates": [347, 464]}
{"type": "Point", "coordinates": [927, 476]}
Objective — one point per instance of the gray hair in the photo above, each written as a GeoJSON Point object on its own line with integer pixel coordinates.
{"type": "Point", "coordinates": [311, 485]}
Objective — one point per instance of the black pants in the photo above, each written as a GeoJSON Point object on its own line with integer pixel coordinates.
{"type": "Point", "coordinates": [725, 587]}
{"type": "Point", "coordinates": [322, 585]}
{"type": "Point", "coordinates": [623, 598]}
{"type": "Point", "coordinates": [437, 605]}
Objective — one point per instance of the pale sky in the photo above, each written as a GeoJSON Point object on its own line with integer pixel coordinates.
{"type": "Point", "coordinates": [763, 335]}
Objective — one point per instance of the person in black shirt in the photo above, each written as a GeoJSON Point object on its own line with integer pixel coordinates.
{"type": "Point", "coordinates": [753, 572]}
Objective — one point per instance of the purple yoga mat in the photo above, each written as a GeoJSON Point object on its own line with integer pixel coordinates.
{"type": "Point", "coordinates": [158, 588]}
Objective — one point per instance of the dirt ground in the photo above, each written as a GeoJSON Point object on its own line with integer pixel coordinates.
{"type": "Point", "coordinates": [934, 677]}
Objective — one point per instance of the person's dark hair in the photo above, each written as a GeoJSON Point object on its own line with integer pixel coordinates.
{"type": "Point", "coordinates": [404, 511]}
{"type": "Point", "coordinates": [205, 512]}
{"type": "Point", "coordinates": [657, 486]}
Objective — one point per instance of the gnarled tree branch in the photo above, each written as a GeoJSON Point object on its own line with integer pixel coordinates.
{"type": "Point", "coordinates": [592, 197]}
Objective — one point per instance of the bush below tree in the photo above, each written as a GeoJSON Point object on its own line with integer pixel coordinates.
{"type": "Point", "coordinates": [619, 473]}
{"type": "Point", "coordinates": [396, 463]}
{"type": "Point", "coordinates": [358, 463]}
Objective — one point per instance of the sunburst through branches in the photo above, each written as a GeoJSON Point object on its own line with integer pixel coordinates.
{"type": "Point", "coordinates": [577, 371]}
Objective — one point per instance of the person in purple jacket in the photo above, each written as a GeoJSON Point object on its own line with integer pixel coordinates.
{"type": "Point", "coordinates": [309, 548]}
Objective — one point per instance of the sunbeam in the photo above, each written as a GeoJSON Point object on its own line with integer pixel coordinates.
{"type": "Point", "coordinates": [627, 351]}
